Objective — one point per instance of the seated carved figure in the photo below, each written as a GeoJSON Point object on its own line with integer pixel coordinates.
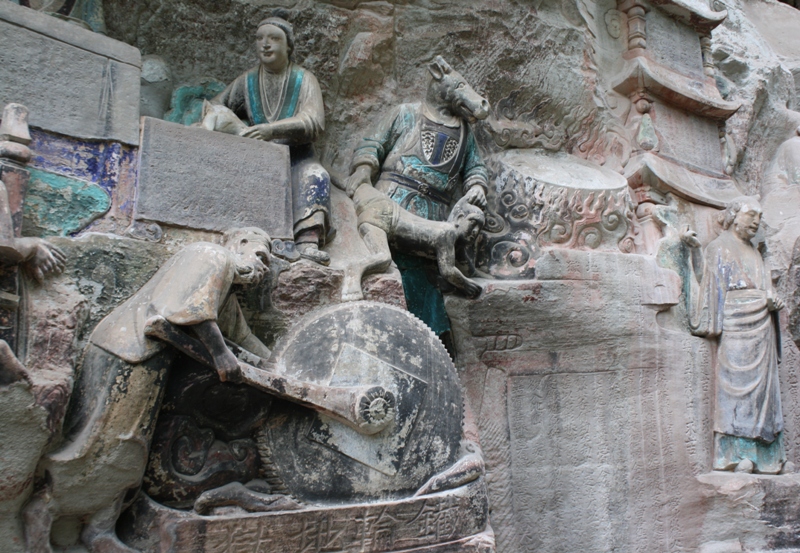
{"type": "Point", "coordinates": [118, 391]}
{"type": "Point", "coordinates": [424, 157]}
{"type": "Point", "coordinates": [282, 102]}
{"type": "Point", "coordinates": [382, 222]}
{"type": "Point", "coordinates": [39, 258]}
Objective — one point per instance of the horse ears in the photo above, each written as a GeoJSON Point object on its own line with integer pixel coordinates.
{"type": "Point", "coordinates": [438, 68]}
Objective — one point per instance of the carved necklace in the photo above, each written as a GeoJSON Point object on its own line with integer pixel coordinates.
{"type": "Point", "coordinates": [273, 91]}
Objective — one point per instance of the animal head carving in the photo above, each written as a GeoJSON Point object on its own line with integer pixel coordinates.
{"type": "Point", "coordinates": [449, 89]}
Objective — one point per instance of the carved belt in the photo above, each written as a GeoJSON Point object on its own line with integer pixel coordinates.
{"type": "Point", "coordinates": [420, 187]}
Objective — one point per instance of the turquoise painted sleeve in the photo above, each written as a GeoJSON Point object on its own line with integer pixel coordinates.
{"type": "Point", "coordinates": [374, 148]}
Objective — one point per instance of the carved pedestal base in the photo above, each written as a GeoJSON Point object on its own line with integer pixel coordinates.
{"type": "Point", "coordinates": [749, 512]}
{"type": "Point", "coordinates": [446, 522]}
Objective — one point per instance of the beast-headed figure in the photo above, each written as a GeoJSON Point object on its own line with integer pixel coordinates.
{"type": "Point", "coordinates": [424, 157]}
{"type": "Point", "coordinates": [113, 409]}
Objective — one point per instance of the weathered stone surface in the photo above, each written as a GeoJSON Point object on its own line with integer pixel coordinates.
{"type": "Point", "coordinates": [578, 394]}
{"type": "Point", "coordinates": [753, 512]}
{"type": "Point", "coordinates": [439, 523]}
{"type": "Point", "coordinates": [365, 344]}
{"type": "Point", "coordinates": [24, 435]}
{"type": "Point", "coordinates": [194, 178]}
{"type": "Point", "coordinates": [96, 97]}
{"type": "Point", "coordinates": [58, 205]}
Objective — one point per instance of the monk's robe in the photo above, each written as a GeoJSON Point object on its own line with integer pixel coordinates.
{"type": "Point", "coordinates": [732, 307]}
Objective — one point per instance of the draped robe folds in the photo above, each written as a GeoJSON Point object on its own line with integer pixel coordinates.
{"type": "Point", "coordinates": [299, 111]}
{"type": "Point", "coordinates": [732, 306]}
{"type": "Point", "coordinates": [113, 409]}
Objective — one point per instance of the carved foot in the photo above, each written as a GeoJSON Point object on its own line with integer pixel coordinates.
{"type": "Point", "coordinates": [351, 288]}
{"type": "Point", "coordinates": [745, 466]}
{"type": "Point", "coordinates": [237, 495]}
{"type": "Point", "coordinates": [313, 253]}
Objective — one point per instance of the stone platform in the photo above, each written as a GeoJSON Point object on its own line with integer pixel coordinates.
{"type": "Point", "coordinates": [446, 522]}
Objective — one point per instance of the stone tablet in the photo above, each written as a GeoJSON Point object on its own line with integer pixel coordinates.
{"type": "Point", "coordinates": [191, 177]}
{"type": "Point", "coordinates": [73, 81]}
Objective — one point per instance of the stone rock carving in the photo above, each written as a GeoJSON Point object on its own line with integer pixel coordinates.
{"type": "Point", "coordinates": [29, 408]}
{"type": "Point", "coordinates": [737, 306]}
{"type": "Point", "coordinates": [36, 255]}
{"type": "Point", "coordinates": [315, 465]}
{"type": "Point", "coordinates": [382, 221]}
{"type": "Point", "coordinates": [781, 188]}
{"type": "Point", "coordinates": [424, 156]}
{"type": "Point", "coordinates": [110, 420]}
{"type": "Point", "coordinates": [88, 13]}
{"type": "Point", "coordinates": [547, 200]}
{"type": "Point", "coordinates": [282, 102]}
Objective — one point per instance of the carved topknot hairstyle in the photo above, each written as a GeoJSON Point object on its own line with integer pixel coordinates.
{"type": "Point", "coordinates": [726, 217]}
{"type": "Point", "coordinates": [235, 235]}
{"type": "Point", "coordinates": [278, 19]}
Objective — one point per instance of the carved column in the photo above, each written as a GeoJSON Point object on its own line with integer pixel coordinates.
{"type": "Point", "coordinates": [14, 155]}
{"type": "Point", "coordinates": [708, 61]}
{"type": "Point", "coordinates": [637, 25]}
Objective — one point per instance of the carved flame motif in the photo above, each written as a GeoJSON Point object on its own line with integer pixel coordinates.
{"type": "Point", "coordinates": [526, 216]}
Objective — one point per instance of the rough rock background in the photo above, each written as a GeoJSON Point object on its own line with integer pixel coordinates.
{"type": "Point", "coordinates": [535, 61]}
{"type": "Point", "coordinates": [592, 443]}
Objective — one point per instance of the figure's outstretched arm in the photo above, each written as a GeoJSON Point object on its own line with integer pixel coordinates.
{"type": "Point", "coordinates": [689, 237]}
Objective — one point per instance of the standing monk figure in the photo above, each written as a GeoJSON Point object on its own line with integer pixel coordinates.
{"type": "Point", "coordinates": [282, 102]}
{"type": "Point", "coordinates": [735, 306]}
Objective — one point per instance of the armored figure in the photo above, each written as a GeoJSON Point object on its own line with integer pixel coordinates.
{"type": "Point", "coordinates": [113, 409]}
{"type": "Point", "coordinates": [283, 103]}
{"type": "Point", "coordinates": [735, 306]}
{"type": "Point", "coordinates": [424, 157]}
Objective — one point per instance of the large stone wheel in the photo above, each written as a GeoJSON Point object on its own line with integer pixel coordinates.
{"type": "Point", "coordinates": [315, 458]}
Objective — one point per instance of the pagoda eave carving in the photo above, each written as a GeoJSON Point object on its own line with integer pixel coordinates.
{"type": "Point", "coordinates": [695, 95]}
{"type": "Point", "coordinates": [694, 13]}
{"type": "Point", "coordinates": [647, 172]}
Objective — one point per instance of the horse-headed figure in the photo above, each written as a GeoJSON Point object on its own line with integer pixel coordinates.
{"type": "Point", "coordinates": [424, 157]}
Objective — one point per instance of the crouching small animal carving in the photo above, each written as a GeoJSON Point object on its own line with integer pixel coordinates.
{"type": "Point", "coordinates": [382, 222]}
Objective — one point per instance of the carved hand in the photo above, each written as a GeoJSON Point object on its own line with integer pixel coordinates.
{"type": "Point", "coordinates": [259, 132]}
{"type": "Point", "coordinates": [41, 257]}
{"type": "Point", "coordinates": [775, 304]}
{"type": "Point", "coordinates": [476, 196]}
{"type": "Point", "coordinates": [472, 289]}
{"type": "Point", "coordinates": [362, 175]}
{"type": "Point", "coordinates": [689, 237]}
{"type": "Point", "coordinates": [228, 367]}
